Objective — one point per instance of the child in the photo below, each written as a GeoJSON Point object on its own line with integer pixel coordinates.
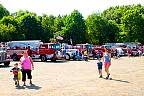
{"type": "Point", "coordinates": [99, 64]}
{"type": "Point", "coordinates": [16, 71]}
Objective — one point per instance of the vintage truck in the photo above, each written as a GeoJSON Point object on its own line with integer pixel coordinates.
{"type": "Point", "coordinates": [3, 57]}
{"type": "Point", "coordinates": [38, 50]}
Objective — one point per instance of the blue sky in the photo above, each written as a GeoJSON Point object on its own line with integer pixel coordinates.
{"type": "Point", "coordinates": [62, 7]}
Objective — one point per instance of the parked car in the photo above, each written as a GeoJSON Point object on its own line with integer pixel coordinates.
{"type": "Point", "coordinates": [135, 52]}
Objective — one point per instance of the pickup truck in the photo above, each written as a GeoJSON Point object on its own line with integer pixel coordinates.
{"type": "Point", "coordinates": [3, 57]}
{"type": "Point", "coordinates": [70, 53]}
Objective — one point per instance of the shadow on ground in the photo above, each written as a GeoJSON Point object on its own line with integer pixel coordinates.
{"type": "Point", "coordinates": [124, 81]}
{"type": "Point", "coordinates": [32, 86]}
{"type": "Point", "coordinates": [2, 66]}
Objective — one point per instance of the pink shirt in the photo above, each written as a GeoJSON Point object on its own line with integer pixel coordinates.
{"type": "Point", "coordinates": [26, 63]}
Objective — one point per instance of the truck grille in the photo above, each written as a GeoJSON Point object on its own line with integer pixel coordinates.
{"type": "Point", "coordinates": [3, 56]}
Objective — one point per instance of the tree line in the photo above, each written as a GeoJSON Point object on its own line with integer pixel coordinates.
{"type": "Point", "coordinates": [115, 24]}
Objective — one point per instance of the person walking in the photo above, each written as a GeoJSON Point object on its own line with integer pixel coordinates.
{"type": "Point", "coordinates": [27, 66]}
{"type": "Point", "coordinates": [99, 65]}
{"type": "Point", "coordinates": [107, 63]}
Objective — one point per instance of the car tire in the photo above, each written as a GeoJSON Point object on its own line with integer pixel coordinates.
{"type": "Point", "coordinates": [15, 57]}
{"type": "Point", "coordinates": [54, 59]}
{"type": "Point", "coordinates": [43, 58]}
{"type": "Point", "coordinates": [67, 57]}
{"type": "Point", "coordinates": [7, 63]}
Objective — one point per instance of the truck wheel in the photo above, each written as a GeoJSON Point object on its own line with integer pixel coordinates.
{"type": "Point", "coordinates": [67, 57]}
{"type": "Point", "coordinates": [43, 58]}
{"type": "Point", "coordinates": [7, 63]}
{"type": "Point", "coordinates": [14, 57]}
{"type": "Point", "coordinates": [54, 59]}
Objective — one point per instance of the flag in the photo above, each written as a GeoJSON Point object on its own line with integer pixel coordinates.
{"type": "Point", "coordinates": [59, 38]}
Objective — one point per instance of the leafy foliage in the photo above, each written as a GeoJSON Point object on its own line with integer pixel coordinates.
{"type": "Point", "coordinates": [100, 30]}
{"type": "Point", "coordinates": [3, 11]}
{"type": "Point", "coordinates": [75, 28]}
{"type": "Point", "coordinates": [115, 24]}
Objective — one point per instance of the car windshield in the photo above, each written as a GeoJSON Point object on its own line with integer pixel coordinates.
{"type": "Point", "coordinates": [88, 46]}
{"type": "Point", "coordinates": [55, 46]}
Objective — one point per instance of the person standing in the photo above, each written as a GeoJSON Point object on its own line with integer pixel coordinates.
{"type": "Point", "coordinates": [107, 63]}
{"type": "Point", "coordinates": [99, 64]}
{"type": "Point", "coordinates": [16, 71]}
{"type": "Point", "coordinates": [85, 53]}
{"type": "Point", "coordinates": [29, 51]}
{"type": "Point", "coordinates": [129, 52]}
{"type": "Point", "coordinates": [27, 66]}
{"type": "Point", "coordinates": [99, 54]}
{"type": "Point", "coordinates": [116, 53]}
{"type": "Point", "coordinates": [94, 54]}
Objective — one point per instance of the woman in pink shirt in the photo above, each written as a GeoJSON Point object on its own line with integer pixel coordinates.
{"type": "Point", "coordinates": [27, 66]}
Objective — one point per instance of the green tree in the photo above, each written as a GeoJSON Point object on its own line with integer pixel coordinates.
{"type": "Point", "coordinates": [10, 20]}
{"type": "Point", "coordinates": [75, 28]}
{"type": "Point", "coordinates": [3, 11]}
{"type": "Point", "coordinates": [7, 32]}
{"type": "Point", "coordinates": [30, 27]}
{"type": "Point", "coordinates": [129, 20]}
{"type": "Point", "coordinates": [47, 24]}
{"type": "Point", "coordinates": [115, 13]}
{"type": "Point", "coordinates": [58, 24]}
{"type": "Point", "coordinates": [133, 23]}
{"type": "Point", "coordinates": [29, 24]}
{"type": "Point", "coordinates": [100, 30]}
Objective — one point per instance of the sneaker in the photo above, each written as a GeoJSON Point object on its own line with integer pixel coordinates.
{"type": "Point", "coordinates": [31, 82]}
{"type": "Point", "coordinates": [17, 85]}
{"type": "Point", "coordinates": [101, 76]}
{"type": "Point", "coordinates": [108, 76]}
{"type": "Point", "coordinates": [15, 82]}
{"type": "Point", "coordinates": [24, 84]}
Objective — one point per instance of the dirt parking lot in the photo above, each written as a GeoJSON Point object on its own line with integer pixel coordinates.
{"type": "Point", "coordinates": [78, 78]}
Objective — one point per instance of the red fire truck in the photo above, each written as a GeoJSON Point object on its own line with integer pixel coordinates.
{"type": "Point", "coordinates": [39, 50]}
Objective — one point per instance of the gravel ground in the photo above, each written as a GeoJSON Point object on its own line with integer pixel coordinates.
{"type": "Point", "coordinates": [78, 78]}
